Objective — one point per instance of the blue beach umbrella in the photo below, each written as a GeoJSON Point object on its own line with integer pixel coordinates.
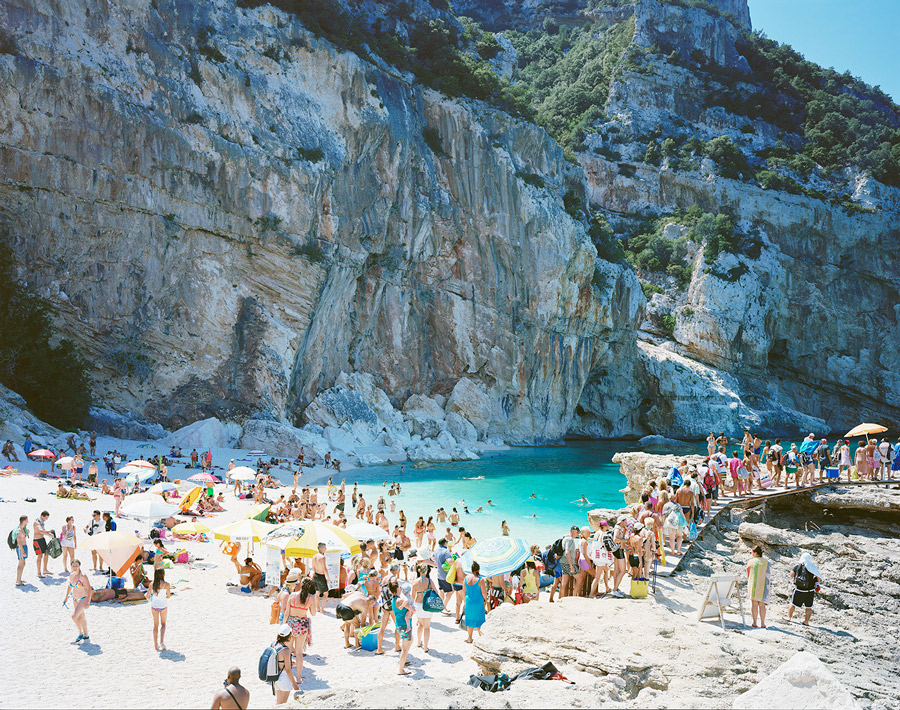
{"type": "Point", "coordinates": [497, 555]}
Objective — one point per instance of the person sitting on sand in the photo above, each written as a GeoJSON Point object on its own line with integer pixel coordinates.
{"type": "Point", "coordinates": [250, 574]}
{"type": "Point", "coordinates": [63, 492]}
{"type": "Point", "coordinates": [138, 576]}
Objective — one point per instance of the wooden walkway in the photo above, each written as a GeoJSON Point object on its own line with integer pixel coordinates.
{"type": "Point", "coordinates": [673, 562]}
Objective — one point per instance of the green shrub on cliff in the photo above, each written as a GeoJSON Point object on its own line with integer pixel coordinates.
{"type": "Point", "coordinates": [566, 75]}
{"type": "Point", "coordinates": [841, 120]}
{"type": "Point", "coordinates": [51, 377]}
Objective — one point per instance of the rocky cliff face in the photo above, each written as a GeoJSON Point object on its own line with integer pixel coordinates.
{"type": "Point", "coordinates": [227, 213]}
{"type": "Point", "coordinates": [802, 336]}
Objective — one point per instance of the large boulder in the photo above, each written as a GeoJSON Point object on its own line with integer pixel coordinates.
{"type": "Point", "coordinates": [279, 439]}
{"type": "Point", "coordinates": [802, 681]}
{"type": "Point", "coordinates": [121, 426]}
{"type": "Point", "coordinates": [460, 427]}
{"type": "Point", "coordinates": [424, 416]}
{"type": "Point", "coordinates": [471, 400]}
{"type": "Point", "coordinates": [640, 468]}
{"type": "Point", "coordinates": [17, 423]}
{"type": "Point", "coordinates": [200, 435]}
{"type": "Point", "coordinates": [655, 442]}
{"type": "Point", "coordinates": [340, 439]}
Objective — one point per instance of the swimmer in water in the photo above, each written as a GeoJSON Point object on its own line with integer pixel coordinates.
{"type": "Point", "coordinates": [489, 502]}
{"type": "Point", "coordinates": [479, 509]}
{"type": "Point", "coordinates": [532, 496]}
{"type": "Point", "coordinates": [582, 500]}
{"type": "Point", "coordinates": [533, 515]}
{"type": "Point", "coordinates": [466, 510]}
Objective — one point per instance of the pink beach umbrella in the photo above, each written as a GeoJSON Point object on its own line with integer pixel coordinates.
{"type": "Point", "coordinates": [203, 478]}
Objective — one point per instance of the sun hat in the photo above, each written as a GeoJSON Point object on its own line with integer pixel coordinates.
{"type": "Point", "coordinates": [293, 576]}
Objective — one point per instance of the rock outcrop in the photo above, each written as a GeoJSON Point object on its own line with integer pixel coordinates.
{"type": "Point", "coordinates": [802, 681]}
{"type": "Point", "coordinates": [17, 423]}
{"type": "Point", "coordinates": [640, 468]}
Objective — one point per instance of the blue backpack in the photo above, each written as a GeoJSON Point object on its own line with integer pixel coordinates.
{"type": "Point", "coordinates": [268, 664]}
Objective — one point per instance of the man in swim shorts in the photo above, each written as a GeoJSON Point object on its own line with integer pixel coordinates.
{"type": "Point", "coordinates": [21, 548]}
{"type": "Point", "coordinates": [355, 606]}
{"type": "Point", "coordinates": [40, 544]}
{"type": "Point", "coordinates": [320, 576]}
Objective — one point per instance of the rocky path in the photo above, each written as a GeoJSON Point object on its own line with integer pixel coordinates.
{"type": "Point", "coordinates": [673, 562]}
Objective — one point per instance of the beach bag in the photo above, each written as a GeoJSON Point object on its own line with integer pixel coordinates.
{"type": "Point", "coordinates": [692, 531]}
{"type": "Point", "coordinates": [609, 541]}
{"type": "Point", "coordinates": [451, 575]}
{"type": "Point", "coordinates": [675, 477]}
{"type": "Point", "coordinates": [54, 549]}
{"type": "Point", "coordinates": [181, 557]}
{"type": "Point", "coordinates": [765, 482]}
{"type": "Point", "coordinates": [639, 588]}
{"type": "Point", "coordinates": [11, 539]}
{"type": "Point", "coordinates": [115, 583]}
{"type": "Point", "coordinates": [229, 548]}
{"type": "Point", "coordinates": [432, 602]}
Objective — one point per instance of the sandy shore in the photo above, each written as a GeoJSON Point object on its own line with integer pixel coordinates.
{"type": "Point", "coordinates": [210, 627]}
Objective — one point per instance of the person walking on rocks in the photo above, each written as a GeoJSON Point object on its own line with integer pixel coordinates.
{"type": "Point", "coordinates": [806, 577]}
{"type": "Point", "coordinates": [758, 584]}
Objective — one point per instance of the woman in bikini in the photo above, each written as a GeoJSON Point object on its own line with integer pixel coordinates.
{"type": "Point", "coordinates": [158, 596]}
{"type": "Point", "coordinates": [68, 541]}
{"type": "Point", "coordinates": [297, 615]}
{"type": "Point", "coordinates": [118, 493]}
{"type": "Point", "coordinates": [403, 622]}
{"type": "Point", "coordinates": [710, 444]}
{"type": "Point", "coordinates": [80, 589]}
{"type": "Point", "coordinates": [423, 618]}
{"type": "Point", "coordinates": [429, 530]}
{"type": "Point", "coordinates": [419, 531]}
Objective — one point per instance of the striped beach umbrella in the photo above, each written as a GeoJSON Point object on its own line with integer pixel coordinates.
{"type": "Point", "coordinates": [497, 555]}
{"type": "Point", "coordinates": [249, 530]}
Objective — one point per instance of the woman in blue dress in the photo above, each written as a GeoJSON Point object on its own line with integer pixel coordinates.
{"type": "Point", "coordinates": [475, 596]}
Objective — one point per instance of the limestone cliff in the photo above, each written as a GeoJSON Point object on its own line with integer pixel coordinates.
{"type": "Point", "coordinates": [239, 212]}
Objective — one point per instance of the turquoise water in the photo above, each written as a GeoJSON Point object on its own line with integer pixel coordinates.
{"type": "Point", "coordinates": [557, 475]}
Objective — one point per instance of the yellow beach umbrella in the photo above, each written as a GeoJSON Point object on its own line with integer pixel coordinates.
{"type": "Point", "coordinates": [243, 530]}
{"type": "Point", "coordinates": [258, 511]}
{"type": "Point", "coordinates": [190, 529]}
{"type": "Point", "coordinates": [307, 545]}
{"type": "Point", "coordinates": [866, 428]}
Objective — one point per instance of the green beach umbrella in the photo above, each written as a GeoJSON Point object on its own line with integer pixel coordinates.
{"type": "Point", "coordinates": [497, 555]}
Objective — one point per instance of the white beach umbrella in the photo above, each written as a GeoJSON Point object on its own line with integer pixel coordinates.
{"type": "Point", "coordinates": [367, 531]}
{"type": "Point", "coordinates": [149, 508]}
{"type": "Point", "coordinates": [242, 473]}
{"type": "Point", "coordinates": [66, 463]}
{"type": "Point", "coordinates": [140, 475]}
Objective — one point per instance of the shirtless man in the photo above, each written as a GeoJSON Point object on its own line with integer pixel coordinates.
{"type": "Point", "coordinates": [233, 696]}
{"type": "Point", "coordinates": [320, 576]}
{"type": "Point", "coordinates": [454, 517]}
{"type": "Point", "coordinates": [355, 606]}
{"type": "Point", "coordinates": [341, 499]}
{"type": "Point", "coordinates": [93, 471]}
{"type": "Point", "coordinates": [40, 543]}
{"type": "Point", "coordinates": [314, 503]}
{"type": "Point", "coordinates": [496, 591]}
{"type": "Point", "coordinates": [685, 498]}
{"type": "Point", "coordinates": [21, 548]}
{"type": "Point", "coordinates": [360, 507]}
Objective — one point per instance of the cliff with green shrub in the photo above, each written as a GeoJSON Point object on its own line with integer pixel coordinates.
{"type": "Point", "coordinates": [565, 216]}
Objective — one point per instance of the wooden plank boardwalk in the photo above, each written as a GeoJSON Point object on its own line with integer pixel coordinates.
{"type": "Point", "coordinates": [673, 562]}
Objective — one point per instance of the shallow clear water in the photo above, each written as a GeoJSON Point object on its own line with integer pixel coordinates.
{"type": "Point", "coordinates": [557, 475]}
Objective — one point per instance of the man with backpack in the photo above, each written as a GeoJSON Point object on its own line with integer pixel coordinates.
{"type": "Point", "coordinates": [822, 454]}
{"type": "Point", "coordinates": [233, 696]}
{"type": "Point", "coordinates": [776, 456]}
{"type": "Point", "coordinates": [550, 558]}
{"type": "Point", "coordinates": [806, 577]}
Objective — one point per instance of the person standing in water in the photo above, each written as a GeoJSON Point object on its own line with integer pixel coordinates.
{"type": "Point", "coordinates": [80, 590]}
{"type": "Point", "coordinates": [158, 596]}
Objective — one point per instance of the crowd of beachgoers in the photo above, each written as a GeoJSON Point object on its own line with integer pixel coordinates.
{"type": "Point", "coordinates": [395, 575]}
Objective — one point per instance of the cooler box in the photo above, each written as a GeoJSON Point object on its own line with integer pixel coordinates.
{"type": "Point", "coordinates": [369, 642]}
{"type": "Point", "coordinates": [832, 473]}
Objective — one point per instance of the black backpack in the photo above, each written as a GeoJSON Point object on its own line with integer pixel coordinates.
{"type": "Point", "coordinates": [609, 543]}
{"type": "Point", "coordinates": [558, 548]}
{"type": "Point", "coordinates": [11, 539]}
{"type": "Point", "coordinates": [804, 580]}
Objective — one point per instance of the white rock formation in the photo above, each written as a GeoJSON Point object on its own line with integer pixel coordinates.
{"type": "Point", "coordinates": [800, 683]}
